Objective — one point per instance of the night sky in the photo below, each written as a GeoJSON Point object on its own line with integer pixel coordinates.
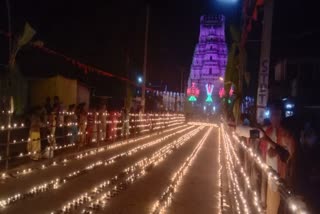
{"type": "Point", "coordinates": [99, 33]}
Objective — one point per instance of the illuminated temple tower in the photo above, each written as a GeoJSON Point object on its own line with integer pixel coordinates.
{"type": "Point", "coordinates": [209, 61]}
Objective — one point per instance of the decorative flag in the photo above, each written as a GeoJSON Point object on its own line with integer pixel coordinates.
{"type": "Point", "coordinates": [27, 35]}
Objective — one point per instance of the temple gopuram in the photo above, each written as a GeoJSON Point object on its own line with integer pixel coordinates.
{"type": "Point", "coordinates": [209, 63]}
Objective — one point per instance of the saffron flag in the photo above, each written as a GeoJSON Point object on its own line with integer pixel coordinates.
{"type": "Point", "coordinates": [27, 35]}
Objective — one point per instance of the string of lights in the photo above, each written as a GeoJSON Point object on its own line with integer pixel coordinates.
{"type": "Point", "coordinates": [246, 178]}
{"type": "Point", "coordinates": [295, 205]}
{"type": "Point", "coordinates": [236, 191]}
{"type": "Point", "coordinates": [52, 184]}
{"type": "Point", "coordinates": [83, 154]}
{"type": "Point", "coordinates": [254, 194]}
{"type": "Point", "coordinates": [166, 197]}
{"type": "Point", "coordinates": [220, 203]}
{"type": "Point", "coordinates": [98, 196]}
{"type": "Point", "coordinates": [21, 155]}
{"type": "Point", "coordinates": [66, 125]}
{"type": "Point", "coordinates": [133, 177]}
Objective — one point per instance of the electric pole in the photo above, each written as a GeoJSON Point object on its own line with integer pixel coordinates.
{"type": "Point", "coordinates": [9, 26]}
{"type": "Point", "coordinates": [145, 58]}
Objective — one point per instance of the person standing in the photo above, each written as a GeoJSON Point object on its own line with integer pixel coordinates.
{"type": "Point", "coordinates": [125, 122]}
{"type": "Point", "coordinates": [278, 134]}
{"type": "Point", "coordinates": [102, 122]}
{"type": "Point", "coordinates": [52, 123]}
{"type": "Point", "coordinates": [113, 124]}
{"type": "Point", "coordinates": [72, 124]}
{"type": "Point", "coordinates": [82, 116]}
{"type": "Point", "coordinates": [95, 134]}
{"type": "Point", "coordinates": [90, 125]}
{"type": "Point", "coordinates": [34, 142]}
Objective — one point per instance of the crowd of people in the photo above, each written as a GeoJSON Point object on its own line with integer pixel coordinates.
{"type": "Point", "coordinates": [80, 125]}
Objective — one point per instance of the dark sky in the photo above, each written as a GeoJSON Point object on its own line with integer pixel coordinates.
{"type": "Point", "coordinates": [99, 32]}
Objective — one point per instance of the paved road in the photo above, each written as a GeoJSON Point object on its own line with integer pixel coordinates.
{"type": "Point", "coordinates": [134, 177]}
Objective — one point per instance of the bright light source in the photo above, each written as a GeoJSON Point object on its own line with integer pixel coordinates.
{"type": "Point", "coordinates": [289, 106]}
{"type": "Point", "coordinates": [221, 79]}
{"type": "Point", "coordinates": [267, 113]}
{"type": "Point", "coordinates": [289, 113]}
{"type": "Point", "coordinates": [140, 80]}
{"type": "Point", "coordinates": [293, 207]}
{"type": "Point", "coordinates": [214, 108]}
{"type": "Point", "coordinates": [228, 1]}
{"type": "Point", "coordinates": [192, 99]}
{"type": "Point", "coordinates": [204, 108]}
{"type": "Point", "coordinates": [209, 88]}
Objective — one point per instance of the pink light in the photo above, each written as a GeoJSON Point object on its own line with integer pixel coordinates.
{"type": "Point", "coordinates": [222, 92]}
{"type": "Point", "coordinates": [210, 54]}
{"type": "Point", "coordinates": [193, 90]}
{"type": "Point", "coordinates": [231, 92]}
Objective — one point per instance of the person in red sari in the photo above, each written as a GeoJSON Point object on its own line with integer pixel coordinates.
{"type": "Point", "coordinates": [278, 134]}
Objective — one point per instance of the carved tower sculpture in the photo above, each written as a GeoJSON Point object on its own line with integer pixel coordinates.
{"type": "Point", "coordinates": [209, 60]}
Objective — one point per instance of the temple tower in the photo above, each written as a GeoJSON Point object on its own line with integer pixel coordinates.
{"type": "Point", "coordinates": [209, 60]}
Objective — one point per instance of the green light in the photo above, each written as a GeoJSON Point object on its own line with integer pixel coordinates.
{"type": "Point", "coordinates": [229, 101]}
{"type": "Point", "coordinates": [209, 99]}
{"type": "Point", "coordinates": [192, 99]}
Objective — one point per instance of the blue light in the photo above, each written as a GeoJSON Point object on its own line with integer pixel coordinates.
{"type": "Point", "coordinates": [140, 79]}
{"type": "Point", "coordinates": [267, 113]}
{"type": "Point", "coordinates": [289, 106]}
{"type": "Point", "coordinates": [228, 1]}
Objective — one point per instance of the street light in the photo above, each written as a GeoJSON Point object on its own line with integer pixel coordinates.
{"type": "Point", "coordinates": [140, 79]}
{"type": "Point", "coordinates": [228, 1]}
{"type": "Point", "coordinates": [225, 83]}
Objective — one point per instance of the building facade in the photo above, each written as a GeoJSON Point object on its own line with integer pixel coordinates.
{"type": "Point", "coordinates": [209, 61]}
{"type": "Point", "coordinates": [69, 91]}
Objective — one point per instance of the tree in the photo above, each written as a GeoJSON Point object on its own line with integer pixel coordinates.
{"type": "Point", "coordinates": [13, 84]}
{"type": "Point", "coordinates": [236, 58]}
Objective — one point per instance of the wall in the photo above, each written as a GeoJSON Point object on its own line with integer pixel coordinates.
{"type": "Point", "coordinates": [66, 90]}
{"type": "Point", "coordinates": [60, 86]}
{"type": "Point", "coordinates": [83, 94]}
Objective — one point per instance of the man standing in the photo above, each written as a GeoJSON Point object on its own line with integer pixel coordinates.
{"type": "Point", "coordinates": [48, 106]}
{"type": "Point", "coordinates": [272, 156]}
{"type": "Point", "coordinates": [34, 142]}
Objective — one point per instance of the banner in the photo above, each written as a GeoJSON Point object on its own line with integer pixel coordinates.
{"type": "Point", "coordinates": [262, 94]}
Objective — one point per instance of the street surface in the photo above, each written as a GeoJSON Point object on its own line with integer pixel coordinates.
{"type": "Point", "coordinates": [175, 171]}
